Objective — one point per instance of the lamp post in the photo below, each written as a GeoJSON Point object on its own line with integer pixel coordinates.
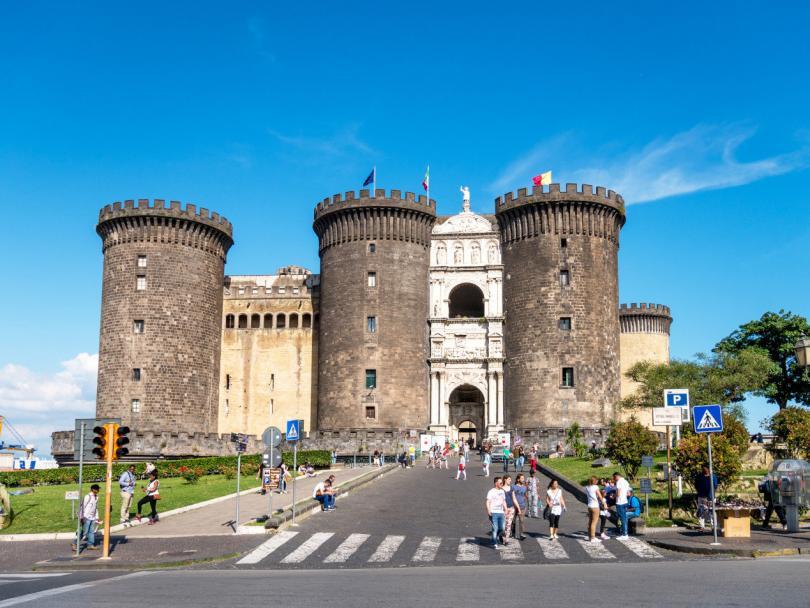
{"type": "Point", "coordinates": [802, 349]}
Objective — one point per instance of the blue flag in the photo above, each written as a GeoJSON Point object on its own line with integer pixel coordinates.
{"type": "Point", "coordinates": [371, 177]}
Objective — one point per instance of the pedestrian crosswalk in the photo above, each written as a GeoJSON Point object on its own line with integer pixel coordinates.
{"type": "Point", "coordinates": [328, 549]}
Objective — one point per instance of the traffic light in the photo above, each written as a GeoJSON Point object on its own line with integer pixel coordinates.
{"type": "Point", "coordinates": [102, 441]}
{"type": "Point", "coordinates": [121, 440]}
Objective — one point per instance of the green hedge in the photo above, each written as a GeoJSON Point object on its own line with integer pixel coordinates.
{"type": "Point", "coordinates": [166, 468]}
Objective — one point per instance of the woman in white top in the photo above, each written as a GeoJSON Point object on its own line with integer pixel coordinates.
{"type": "Point", "coordinates": [487, 461]}
{"type": "Point", "coordinates": [555, 503]}
{"type": "Point", "coordinates": [596, 503]}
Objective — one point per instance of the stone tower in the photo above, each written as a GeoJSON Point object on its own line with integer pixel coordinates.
{"type": "Point", "coordinates": [644, 337]}
{"type": "Point", "coordinates": [161, 315]}
{"type": "Point", "coordinates": [561, 305]}
{"type": "Point", "coordinates": [373, 340]}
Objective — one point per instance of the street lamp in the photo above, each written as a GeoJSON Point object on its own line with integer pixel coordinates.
{"type": "Point", "coordinates": [802, 349]}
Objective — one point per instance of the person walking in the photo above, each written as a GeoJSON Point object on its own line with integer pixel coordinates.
{"type": "Point", "coordinates": [152, 490]}
{"type": "Point", "coordinates": [88, 516]}
{"type": "Point", "coordinates": [533, 459]}
{"type": "Point", "coordinates": [555, 503]}
{"type": "Point", "coordinates": [127, 484]}
{"type": "Point", "coordinates": [495, 504]}
{"type": "Point", "coordinates": [487, 462]}
{"type": "Point", "coordinates": [509, 494]}
{"type": "Point", "coordinates": [596, 503]}
{"type": "Point", "coordinates": [283, 477]}
{"type": "Point", "coordinates": [506, 456]}
{"type": "Point", "coordinates": [608, 498]}
{"type": "Point", "coordinates": [520, 459]}
{"type": "Point", "coordinates": [531, 491]}
{"type": "Point", "coordinates": [462, 470]}
{"type": "Point", "coordinates": [766, 488]}
{"type": "Point", "coordinates": [519, 491]}
{"type": "Point", "coordinates": [622, 493]}
{"type": "Point", "coordinates": [703, 485]}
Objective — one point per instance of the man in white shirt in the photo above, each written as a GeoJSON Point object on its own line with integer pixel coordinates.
{"type": "Point", "coordinates": [323, 494]}
{"type": "Point", "coordinates": [496, 509]}
{"type": "Point", "coordinates": [622, 492]}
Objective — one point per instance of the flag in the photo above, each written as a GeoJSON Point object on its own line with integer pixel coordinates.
{"type": "Point", "coordinates": [544, 179]}
{"type": "Point", "coordinates": [372, 177]}
{"type": "Point", "coordinates": [426, 180]}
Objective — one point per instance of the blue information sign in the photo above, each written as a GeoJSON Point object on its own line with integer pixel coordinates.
{"type": "Point", "coordinates": [707, 418]}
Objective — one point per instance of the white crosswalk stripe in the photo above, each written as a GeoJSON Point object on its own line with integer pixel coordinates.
{"type": "Point", "coordinates": [347, 548]}
{"type": "Point", "coordinates": [596, 550]}
{"type": "Point", "coordinates": [552, 549]}
{"type": "Point", "coordinates": [386, 549]}
{"type": "Point", "coordinates": [640, 548]}
{"type": "Point", "coordinates": [266, 548]}
{"type": "Point", "coordinates": [512, 551]}
{"type": "Point", "coordinates": [468, 550]}
{"type": "Point", "coordinates": [307, 548]}
{"type": "Point", "coordinates": [427, 549]}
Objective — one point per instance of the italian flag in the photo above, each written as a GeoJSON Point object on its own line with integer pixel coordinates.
{"type": "Point", "coordinates": [426, 180]}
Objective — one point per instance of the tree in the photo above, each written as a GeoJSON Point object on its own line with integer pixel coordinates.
{"type": "Point", "coordinates": [573, 436]}
{"type": "Point", "coordinates": [627, 442]}
{"type": "Point", "coordinates": [692, 455]}
{"type": "Point", "coordinates": [792, 426]}
{"type": "Point", "coordinates": [774, 334]}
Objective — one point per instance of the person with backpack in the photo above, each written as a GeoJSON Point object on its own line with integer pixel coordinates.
{"type": "Point", "coordinates": [88, 515]}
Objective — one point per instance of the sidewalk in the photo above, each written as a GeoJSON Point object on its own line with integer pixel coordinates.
{"type": "Point", "coordinates": [218, 519]}
{"type": "Point", "coordinates": [763, 543]}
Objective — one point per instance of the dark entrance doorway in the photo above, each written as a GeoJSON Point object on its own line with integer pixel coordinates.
{"type": "Point", "coordinates": [467, 412]}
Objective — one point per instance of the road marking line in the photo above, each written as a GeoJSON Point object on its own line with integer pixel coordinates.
{"type": "Point", "coordinates": [427, 549]}
{"type": "Point", "coordinates": [347, 548]}
{"type": "Point", "coordinates": [512, 551]}
{"type": "Point", "coordinates": [33, 575]}
{"type": "Point", "coordinates": [22, 599]}
{"type": "Point", "coordinates": [640, 548]}
{"type": "Point", "coordinates": [596, 550]}
{"type": "Point", "coordinates": [307, 548]}
{"type": "Point", "coordinates": [385, 551]}
{"type": "Point", "coordinates": [552, 549]}
{"type": "Point", "coordinates": [266, 548]}
{"type": "Point", "coordinates": [468, 550]}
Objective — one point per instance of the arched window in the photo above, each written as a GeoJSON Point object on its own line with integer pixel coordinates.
{"type": "Point", "coordinates": [306, 321]}
{"type": "Point", "coordinates": [466, 301]}
{"type": "Point", "coordinates": [242, 321]}
{"type": "Point", "coordinates": [255, 321]}
{"type": "Point", "coordinates": [293, 321]}
{"type": "Point", "coordinates": [281, 321]}
{"type": "Point", "coordinates": [268, 321]}
{"type": "Point", "coordinates": [229, 321]}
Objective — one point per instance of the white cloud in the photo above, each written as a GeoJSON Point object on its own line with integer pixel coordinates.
{"type": "Point", "coordinates": [38, 404]}
{"type": "Point", "coordinates": [345, 142]}
{"type": "Point", "coordinates": [702, 158]}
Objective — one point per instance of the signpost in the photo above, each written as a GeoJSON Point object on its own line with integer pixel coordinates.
{"type": "Point", "coordinates": [240, 441]}
{"type": "Point", "coordinates": [73, 497]}
{"type": "Point", "coordinates": [647, 461]}
{"type": "Point", "coordinates": [708, 419]}
{"type": "Point", "coordinates": [271, 459]}
{"type": "Point", "coordinates": [293, 434]}
{"type": "Point", "coordinates": [678, 398]}
{"type": "Point", "coordinates": [668, 417]}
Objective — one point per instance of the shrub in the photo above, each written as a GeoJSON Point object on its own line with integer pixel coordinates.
{"type": "Point", "coordinates": [628, 442]}
{"type": "Point", "coordinates": [229, 472]}
{"type": "Point", "coordinates": [191, 475]}
{"type": "Point", "coordinates": [692, 454]}
{"type": "Point", "coordinates": [573, 436]}
{"type": "Point", "coordinates": [792, 426]}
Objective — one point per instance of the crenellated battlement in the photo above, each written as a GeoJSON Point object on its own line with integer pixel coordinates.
{"type": "Point", "coordinates": [553, 193]}
{"type": "Point", "coordinates": [363, 198]}
{"type": "Point", "coordinates": [158, 208]}
{"type": "Point", "coordinates": [644, 308]}
{"type": "Point", "coordinates": [644, 318]}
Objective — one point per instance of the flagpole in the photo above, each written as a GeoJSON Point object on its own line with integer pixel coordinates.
{"type": "Point", "coordinates": [374, 184]}
{"type": "Point", "coordinates": [428, 185]}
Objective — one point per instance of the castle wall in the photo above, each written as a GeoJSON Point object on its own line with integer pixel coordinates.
{"type": "Point", "coordinates": [399, 229]}
{"type": "Point", "coordinates": [268, 373]}
{"type": "Point", "coordinates": [535, 299]}
{"type": "Point", "coordinates": [182, 255]}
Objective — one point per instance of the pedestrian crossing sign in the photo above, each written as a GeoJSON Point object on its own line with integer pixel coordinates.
{"type": "Point", "coordinates": [708, 418]}
{"type": "Point", "coordinates": [293, 430]}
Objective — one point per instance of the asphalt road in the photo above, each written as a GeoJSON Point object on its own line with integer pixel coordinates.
{"type": "Point", "coordinates": [772, 582]}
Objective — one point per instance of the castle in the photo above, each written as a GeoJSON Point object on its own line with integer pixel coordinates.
{"type": "Point", "coordinates": [459, 326]}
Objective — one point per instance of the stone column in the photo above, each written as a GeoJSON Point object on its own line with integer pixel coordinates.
{"type": "Point", "coordinates": [500, 399]}
{"type": "Point", "coordinates": [434, 398]}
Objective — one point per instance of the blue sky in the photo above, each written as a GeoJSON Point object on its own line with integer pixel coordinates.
{"type": "Point", "coordinates": [697, 114]}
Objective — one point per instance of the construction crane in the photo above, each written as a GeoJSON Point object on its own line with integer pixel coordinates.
{"type": "Point", "coordinates": [20, 446]}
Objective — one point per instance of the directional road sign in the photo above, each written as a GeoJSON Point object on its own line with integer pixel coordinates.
{"type": "Point", "coordinates": [293, 432]}
{"type": "Point", "coordinates": [708, 418]}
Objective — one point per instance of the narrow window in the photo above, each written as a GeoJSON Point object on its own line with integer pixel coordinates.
{"type": "Point", "coordinates": [565, 278]}
{"type": "Point", "coordinates": [371, 412]}
{"type": "Point", "coordinates": [268, 321]}
{"type": "Point", "coordinates": [255, 321]}
{"type": "Point", "coordinates": [372, 247]}
{"type": "Point", "coordinates": [140, 283]}
{"type": "Point", "coordinates": [296, 291]}
{"type": "Point", "coordinates": [136, 406]}
{"type": "Point", "coordinates": [271, 406]}
{"type": "Point", "coordinates": [227, 407]}
{"type": "Point", "coordinates": [306, 321]}
{"type": "Point", "coordinates": [371, 325]}
{"type": "Point", "coordinates": [563, 243]}
{"type": "Point", "coordinates": [293, 321]}
{"type": "Point", "coordinates": [565, 323]}
{"type": "Point", "coordinates": [272, 381]}
{"type": "Point", "coordinates": [136, 374]}
{"type": "Point", "coordinates": [227, 382]}
{"type": "Point", "coordinates": [242, 321]}
{"type": "Point", "coordinates": [282, 289]}
{"type": "Point", "coordinates": [371, 378]}
{"type": "Point", "coordinates": [229, 321]}
{"type": "Point", "coordinates": [281, 321]}
{"type": "Point", "coordinates": [568, 376]}
{"type": "Point", "coordinates": [372, 279]}
{"type": "Point", "coordinates": [142, 261]}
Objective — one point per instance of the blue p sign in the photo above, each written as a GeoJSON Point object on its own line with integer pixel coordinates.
{"type": "Point", "coordinates": [676, 397]}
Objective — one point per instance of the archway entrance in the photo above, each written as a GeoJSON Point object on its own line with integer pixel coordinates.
{"type": "Point", "coordinates": [467, 412]}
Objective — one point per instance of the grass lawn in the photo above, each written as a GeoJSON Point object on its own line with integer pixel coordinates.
{"type": "Point", "coordinates": [46, 510]}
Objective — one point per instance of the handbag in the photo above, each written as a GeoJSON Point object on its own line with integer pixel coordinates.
{"type": "Point", "coordinates": [546, 512]}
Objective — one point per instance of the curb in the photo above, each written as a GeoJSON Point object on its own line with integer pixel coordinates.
{"type": "Point", "coordinates": [721, 551]}
{"type": "Point", "coordinates": [567, 484]}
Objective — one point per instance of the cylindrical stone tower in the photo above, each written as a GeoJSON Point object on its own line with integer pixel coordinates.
{"type": "Point", "coordinates": [561, 305]}
{"type": "Point", "coordinates": [161, 311]}
{"type": "Point", "coordinates": [644, 337]}
{"type": "Point", "coordinates": [373, 339]}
